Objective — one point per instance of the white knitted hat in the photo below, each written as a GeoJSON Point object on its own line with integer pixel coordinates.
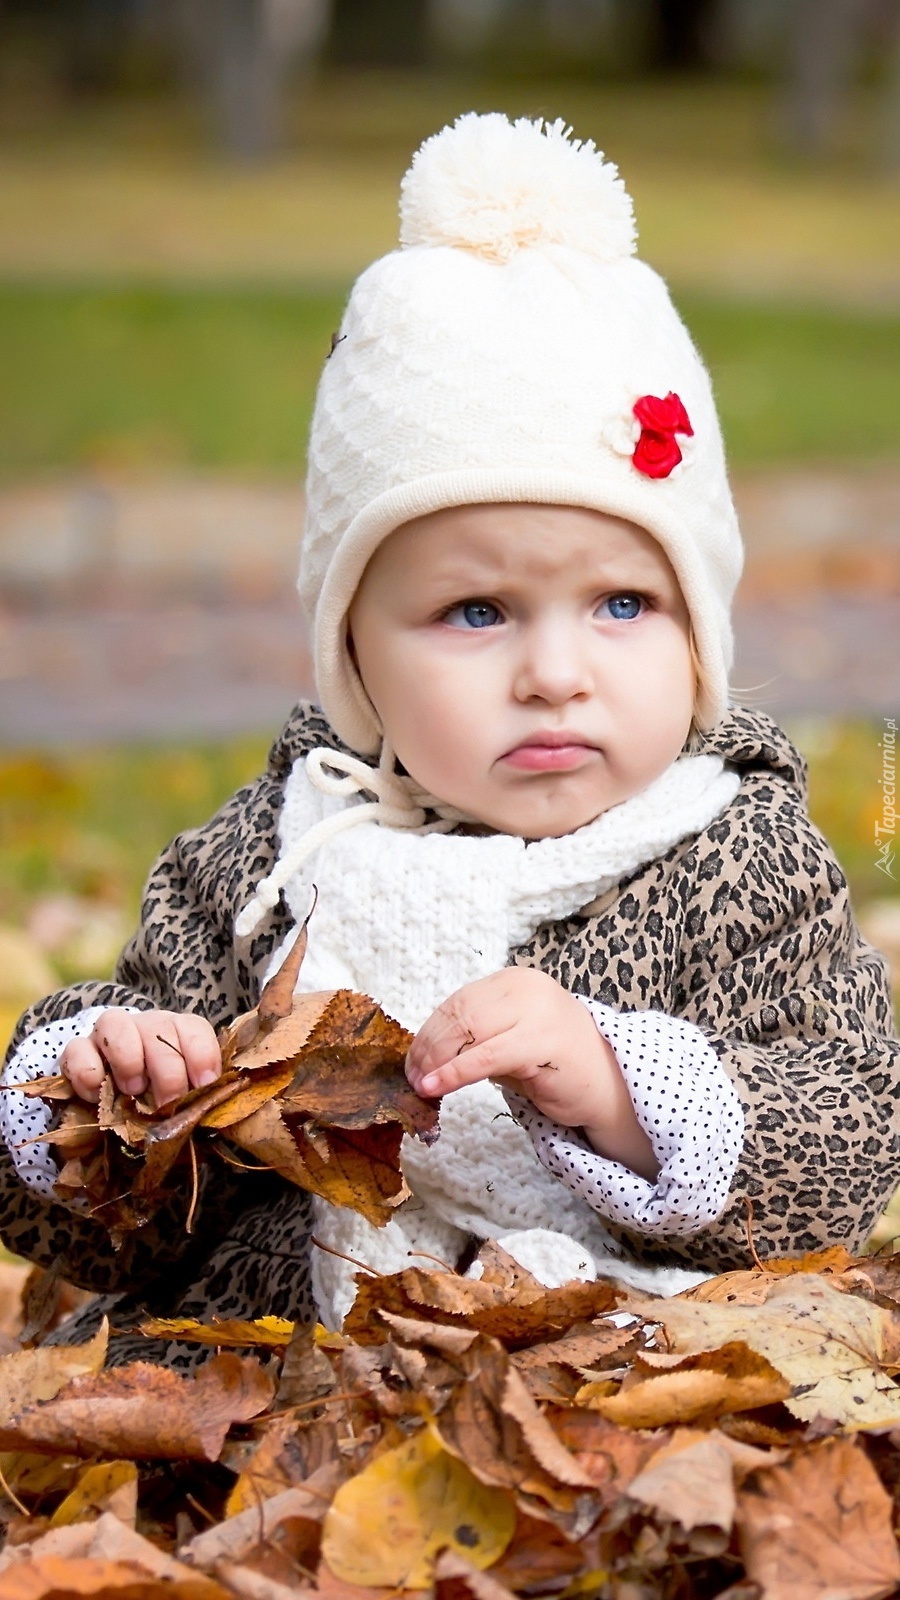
{"type": "Point", "coordinates": [513, 349]}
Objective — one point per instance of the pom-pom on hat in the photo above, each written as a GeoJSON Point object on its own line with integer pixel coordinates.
{"type": "Point", "coordinates": [513, 349]}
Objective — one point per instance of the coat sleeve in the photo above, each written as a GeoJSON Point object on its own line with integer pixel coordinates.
{"type": "Point", "coordinates": [798, 1010]}
{"type": "Point", "coordinates": [183, 958]}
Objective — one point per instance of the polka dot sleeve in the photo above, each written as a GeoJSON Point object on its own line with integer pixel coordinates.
{"type": "Point", "coordinates": [23, 1118]}
{"type": "Point", "coordinates": [689, 1110]}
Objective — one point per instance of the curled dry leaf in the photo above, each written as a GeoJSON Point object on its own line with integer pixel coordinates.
{"type": "Point", "coordinates": [518, 1313]}
{"type": "Point", "coordinates": [293, 1517]}
{"type": "Point", "coordinates": [661, 1389]}
{"type": "Point", "coordinates": [691, 1478]}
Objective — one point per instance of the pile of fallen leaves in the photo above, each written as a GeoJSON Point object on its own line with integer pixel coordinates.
{"type": "Point", "coordinates": [477, 1439]}
{"type": "Point", "coordinates": [463, 1437]}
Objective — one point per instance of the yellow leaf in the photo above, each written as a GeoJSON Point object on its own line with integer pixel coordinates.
{"type": "Point", "coordinates": [827, 1344]}
{"type": "Point", "coordinates": [682, 1388]}
{"type": "Point", "coordinates": [265, 1332]}
{"type": "Point", "coordinates": [386, 1525]}
{"type": "Point", "coordinates": [28, 1376]}
{"type": "Point", "coordinates": [109, 1486]}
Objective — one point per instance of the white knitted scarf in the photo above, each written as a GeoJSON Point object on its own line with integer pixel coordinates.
{"type": "Point", "coordinates": [407, 915]}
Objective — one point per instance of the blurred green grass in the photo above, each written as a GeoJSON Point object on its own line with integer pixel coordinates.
{"type": "Point", "coordinates": [166, 377]}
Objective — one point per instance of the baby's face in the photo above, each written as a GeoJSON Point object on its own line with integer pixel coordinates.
{"type": "Point", "coordinates": [530, 664]}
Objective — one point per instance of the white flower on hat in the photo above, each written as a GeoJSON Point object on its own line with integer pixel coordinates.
{"type": "Point", "coordinates": [495, 187]}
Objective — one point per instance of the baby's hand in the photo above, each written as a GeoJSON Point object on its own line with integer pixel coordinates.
{"type": "Point", "coordinates": [525, 1030]}
{"type": "Point", "coordinates": [168, 1052]}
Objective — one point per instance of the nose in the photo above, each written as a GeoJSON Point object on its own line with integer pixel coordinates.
{"type": "Point", "coordinates": [553, 662]}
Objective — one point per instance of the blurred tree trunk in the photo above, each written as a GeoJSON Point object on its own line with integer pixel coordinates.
{"type": "Point", "coordinates": [380, 33]}
{"type": "Point", "coordinates": [682, 34]}
{"type": "Point", "coordinates": [825, 45]}
{"type": "Point", "coordinates": [240, 53]}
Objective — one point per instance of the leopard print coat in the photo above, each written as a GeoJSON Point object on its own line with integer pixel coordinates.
{"type": "Point", "coordinates": [745, 930]}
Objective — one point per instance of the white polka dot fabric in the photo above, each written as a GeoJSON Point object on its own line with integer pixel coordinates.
{"type": "Point", "coordinates": [689, 1110]}
{"type": "Point", "coordinates": [23, 1118]}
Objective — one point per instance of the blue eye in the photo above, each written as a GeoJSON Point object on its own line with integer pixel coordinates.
{"type": "Point", "coordinates": [624, 607]}
{"type": "Point", "coordinates": [473, 614]}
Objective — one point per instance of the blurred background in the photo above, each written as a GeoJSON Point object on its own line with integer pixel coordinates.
{"type": "Point", "coordinates": [188, 187]}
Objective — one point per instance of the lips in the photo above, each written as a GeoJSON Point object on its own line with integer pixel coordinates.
{"type": "Point", "coordinates": [557, 750]}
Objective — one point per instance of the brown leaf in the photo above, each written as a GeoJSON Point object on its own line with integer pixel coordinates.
{"type": "Point", "coordinates": [610, 1456]}
{"type": "Point", "coordinates": [752, 1287]}
{"type": "Point", "coordinates": [277, 998]}
{"type": "Point", "coordinates": [492, 1423]}
{"type": "Point", "coordinates": [360, 1170]}
{"type": "Point", "coordinates": [248, 1094]}
{"type": "Point", "coordinates": [662, 1389]}
{"type": "Point", "coordinates": [827, 1344]}
{"type": "Point", "coordinates": [142, 1410]}
{"type": "Point", "coordinates": [286, 1457]}
{"type": "Point", "coordinates": [102, 1558]}
{"type": "Point", "coordinates": [818, 1527]}
{"type": "Point", "coordinates": [691, 1480]}
{"type": "Point", "coordinates": [245, 1048]}
{"type": "Point", "coordinates": [549, 1368]}
{"type": "Point", "coordinates": [517, 1311]}
{"type": "Point", "coordinates": [290, 1521]}
{"type": "Point", "coordinates": [248, 1584]}
{"type": "Point", "coordinates": [536, 1559]}
{"type": "Point", "coordinates": [351, 1074]}
{"type": "Point", "coordinates": [455, 1578]}
{"type": "Point", "coordinates": [306, 1372]}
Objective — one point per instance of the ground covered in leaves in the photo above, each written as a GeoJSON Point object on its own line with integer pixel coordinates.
{"type": "Point", "coordinates": [474, 1439]}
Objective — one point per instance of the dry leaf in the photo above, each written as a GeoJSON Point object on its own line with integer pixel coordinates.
{"type": "Point", "coordinates": [492, 1423]}
{"type": "Point", "coordinates": [691, 1480]}
{"type": "Point", "coordinates": [751, 1287]}
{"type": "Point", "coordinates": [386, 1525]}
{"type": "Point", "coordinates": [142, 1410]}
{"type": "Point", "coordinates": [291, 1520]}
{"type": "Point", "coordinates": [267, 1333]}
{"type": "Point", "coordinates": [819, 1527]}
{"type": "Point", "coordinates": [518, 1315]}
{"type": "Point", "coordinates": [29, 1376]}
{"type": "Point", "coordinates": [827, 1344]}
{"type": "Point", "coordinates": [109, 1486]}
{"type": "Point", "coordinates": [455, 1578]}
{"type": "Point", "coordinates": [662, 1389]}
{"type": "Point", "coordinates": [610, 1456]}
{"type": "Point", "coordinates": [102, 1558]}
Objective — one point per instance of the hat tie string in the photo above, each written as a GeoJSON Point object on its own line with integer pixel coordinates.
{"type": "Point", "coordinates": [398, 803]}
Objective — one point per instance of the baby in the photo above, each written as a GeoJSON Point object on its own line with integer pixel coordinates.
{"type": "Point", "coordinates": [540, 835]}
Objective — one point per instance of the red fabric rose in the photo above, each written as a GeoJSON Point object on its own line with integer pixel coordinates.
{"type": "Point", "coordinates": [656, 452]}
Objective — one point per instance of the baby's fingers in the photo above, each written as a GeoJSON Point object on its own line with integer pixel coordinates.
{"type": "Point", "coordinates": [180, 1053]}
{"type": "Point", "coordinates": [85, 1068]}
{"type": "Point", "coordinates": [119, 1042]}
{"type": "Point", "coordinates": [492, 1058]}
